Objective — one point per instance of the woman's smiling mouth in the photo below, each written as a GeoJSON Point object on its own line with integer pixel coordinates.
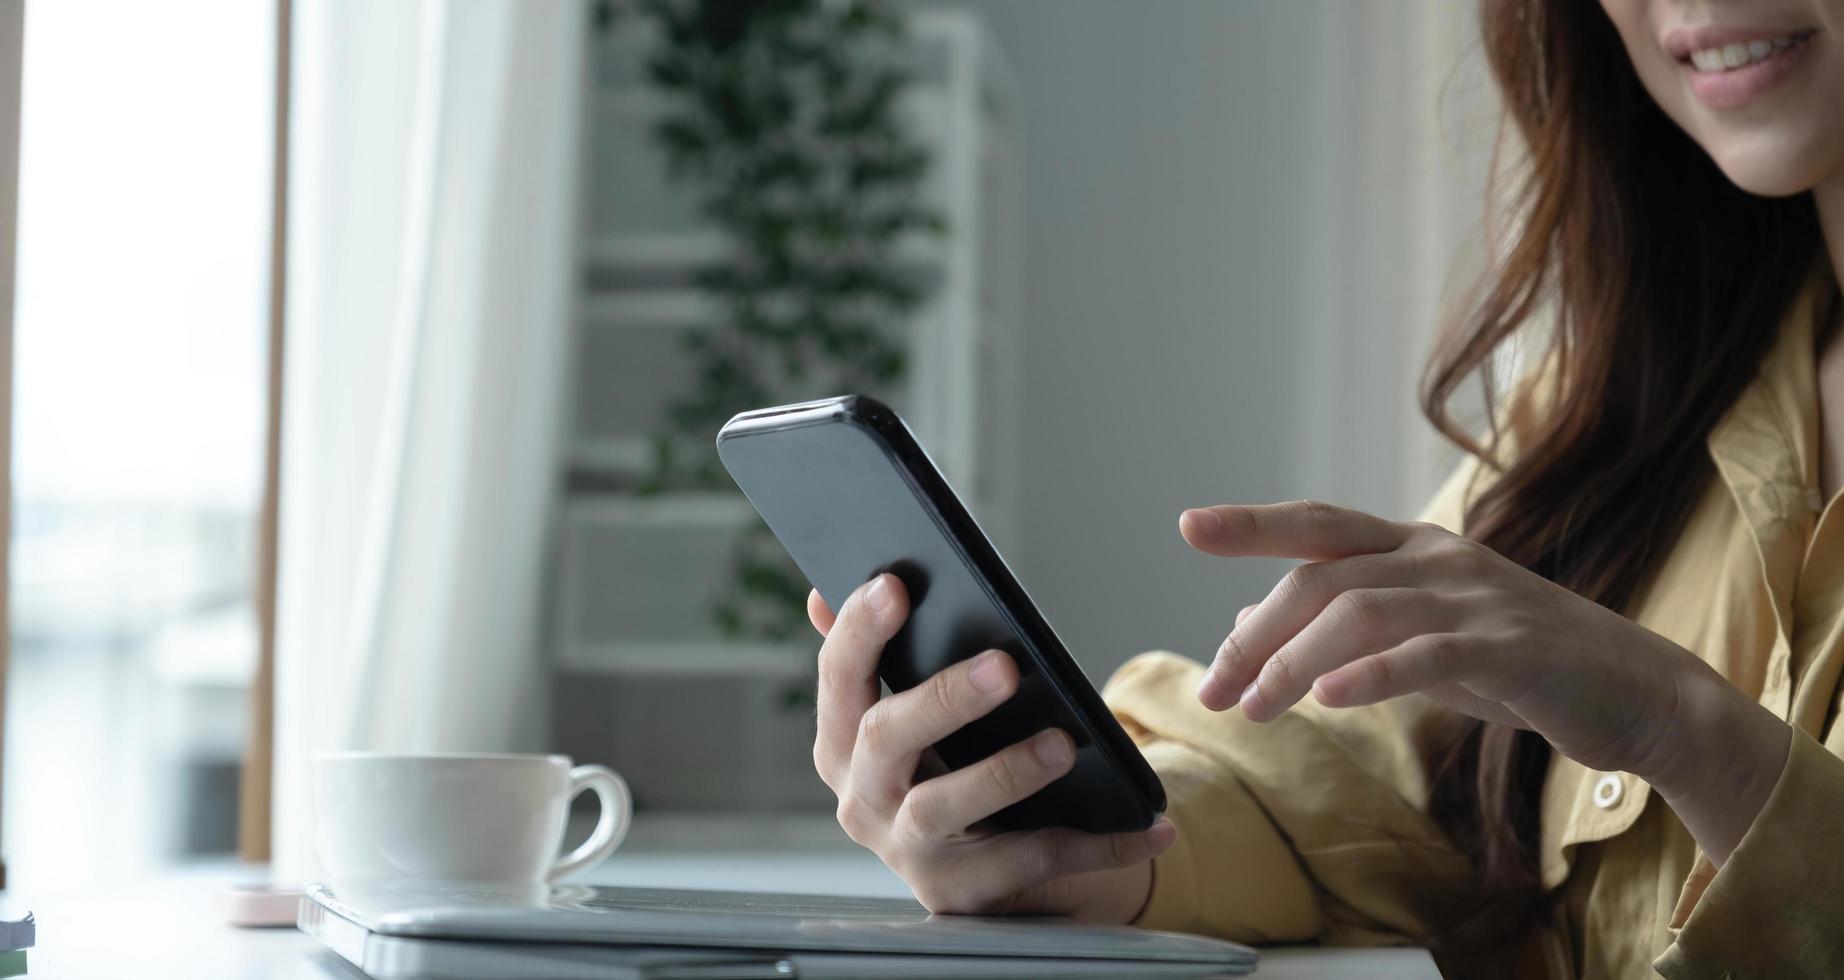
{"type": "Point", "coordinates": [1730, 68]}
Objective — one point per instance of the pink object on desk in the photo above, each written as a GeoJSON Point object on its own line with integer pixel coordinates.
{"type": "Point", "coordinates": [259, 906]}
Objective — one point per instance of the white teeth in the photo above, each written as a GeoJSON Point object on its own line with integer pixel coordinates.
{"type": "Point", "coordinates": [1732, 56]}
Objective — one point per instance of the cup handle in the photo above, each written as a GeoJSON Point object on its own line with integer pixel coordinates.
{"type": "Point", "coordinates": [610, 828]}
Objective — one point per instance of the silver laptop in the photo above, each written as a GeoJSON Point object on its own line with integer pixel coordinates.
{"type": "Point", "coordinates": [409, 931]}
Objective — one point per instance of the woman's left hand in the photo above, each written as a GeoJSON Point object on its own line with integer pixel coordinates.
{"type": "Point", "coordinates": [1383, 609]}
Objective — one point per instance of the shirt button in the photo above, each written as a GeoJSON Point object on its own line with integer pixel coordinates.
{"type": "Point", "coordinates": [1607, 792]}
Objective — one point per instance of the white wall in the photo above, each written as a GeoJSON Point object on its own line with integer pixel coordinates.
{"type": "Point", "coordinates": [1237, 221]}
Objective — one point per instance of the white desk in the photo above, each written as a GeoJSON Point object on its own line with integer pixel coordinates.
{"type": "Point", "coordinates": [168, 927]}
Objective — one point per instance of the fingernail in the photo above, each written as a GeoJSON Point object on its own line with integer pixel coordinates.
{"type": "Point", "coordinates": [1251, 698]}
{"type": "Point", "coordinates": [986, 674]}
{"type": "Point", "coordinates": [1051, 749]}
{"type": "Point", "coordinates": [878, 596]}
{"type": "Point", "coordinates": [1210, 691]}
{"type": "Point", "coordinates": [1162, 834]}
{"type": "Point", "coordinates": [1204, 520]}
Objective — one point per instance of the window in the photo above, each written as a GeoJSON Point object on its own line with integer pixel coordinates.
{"type": "Point", "coordinates": [141, 326]}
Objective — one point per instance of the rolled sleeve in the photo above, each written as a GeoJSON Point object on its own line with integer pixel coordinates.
{"type": "Point", "coordinates": [1230, 873]}
{"type": "Point", "coordinates": [1309, 827]}
{"type": "Point", "coordinates": [1776, 908]}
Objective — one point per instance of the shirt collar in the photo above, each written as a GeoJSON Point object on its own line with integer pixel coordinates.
{"type": "Point", "coordinates": [1766, 448]}
{"type": "Point", "coordinates": [1766, 445]}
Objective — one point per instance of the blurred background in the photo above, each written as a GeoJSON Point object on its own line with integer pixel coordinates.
{"type": "Point", "coordinates": [367, 357]}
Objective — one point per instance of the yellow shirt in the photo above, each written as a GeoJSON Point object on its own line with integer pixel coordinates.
{"type": "Point", "coordinates": [1314, 827]}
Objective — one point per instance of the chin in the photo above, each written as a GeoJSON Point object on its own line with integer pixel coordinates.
{"type": "Point", "coordinates": [1785, 147]}
{"type": "Point", "coordinates": [1770, 170]}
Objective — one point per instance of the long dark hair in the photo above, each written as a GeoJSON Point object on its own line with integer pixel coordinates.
{"type": "Point", "coordinates": [1663, 286]}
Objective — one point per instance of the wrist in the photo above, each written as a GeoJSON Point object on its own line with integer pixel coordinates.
{"type": "Point", "coordinates": [1701, 734]}
{"type": "Point", "coordinates": [1717, 759]}
{"type": "Point", "coordinates": [1118, 896]}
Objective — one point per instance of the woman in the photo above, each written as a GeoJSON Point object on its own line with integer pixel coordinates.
{"type": "Point", "coordinates": [1583, 723]}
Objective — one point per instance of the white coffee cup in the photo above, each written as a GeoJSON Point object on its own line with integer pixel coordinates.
{"type": "Point", "coordinates": [482, 818]}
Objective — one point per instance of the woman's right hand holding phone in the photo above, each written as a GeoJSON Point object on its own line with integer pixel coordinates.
{"type": "Point", "coordinates": [928, 828]}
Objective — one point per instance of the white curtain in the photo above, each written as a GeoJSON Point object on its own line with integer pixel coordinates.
{"type": "Point", "coordinates": [432, 228]}
{"type": "Point", "coordinates": [1401, 125]}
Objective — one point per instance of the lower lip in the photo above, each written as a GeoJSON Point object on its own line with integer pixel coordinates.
{"type": "Point", "coordinates": [1734, 89]}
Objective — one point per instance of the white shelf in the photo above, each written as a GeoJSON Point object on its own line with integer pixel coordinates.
{"type": "Point", "coordinates": [647, 308]}
{"type": "Point", "coordinates": [651, 251]}
{"type": "Point", "coordinates": [706, 509]}
{"type": "Point", "coordinates": [660, 254]}
{"type": "Point", "coordinates": [669, 658]}
{"type": "Point", "coordinates": [611, 454]}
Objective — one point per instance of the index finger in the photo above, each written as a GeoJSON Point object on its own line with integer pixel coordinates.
{"type": "Point", "coordinates": [1304, 529]}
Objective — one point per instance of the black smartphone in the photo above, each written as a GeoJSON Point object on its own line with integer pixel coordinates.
{"type": "Point", "coordinates": [850, 493]}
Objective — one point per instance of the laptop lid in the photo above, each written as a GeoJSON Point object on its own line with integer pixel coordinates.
{"type": "Point", "coordinates": [742, 920]}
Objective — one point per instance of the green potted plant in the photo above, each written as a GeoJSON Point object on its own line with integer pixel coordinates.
{"type": "Point", "coordinates": [783, 118]}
